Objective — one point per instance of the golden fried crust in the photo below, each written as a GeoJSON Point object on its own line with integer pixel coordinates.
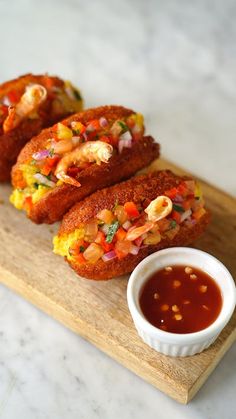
{"type": "Point", "coordinates": [53, 205]}
{"type": "Point", "coordinates": [13, 141]}
{"type": "Point", "coordinates": [136, 189]}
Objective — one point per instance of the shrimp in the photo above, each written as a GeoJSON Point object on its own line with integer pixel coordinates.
{"type": "Point", "coordinates": [135, 233]}
{"type": "Point", "coordinates": [159, 208]}
{"type": "Point", "coordinates": [91, 151]}
{"type": "Point", "coordinates": [34, 95]}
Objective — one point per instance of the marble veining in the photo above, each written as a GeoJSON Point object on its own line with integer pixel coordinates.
{"type": "Point", "coordinates": [175, 62]}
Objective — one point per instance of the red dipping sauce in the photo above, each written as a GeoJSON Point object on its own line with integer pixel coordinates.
{"type": "Point", "coordinates": [181, 299]}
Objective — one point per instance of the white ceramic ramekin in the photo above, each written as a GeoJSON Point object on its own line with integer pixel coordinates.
{"type": "Point", "coordinates": [174, 344]}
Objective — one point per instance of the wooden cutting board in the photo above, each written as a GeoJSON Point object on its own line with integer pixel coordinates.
{"type": "Point", "coordinates": [98, 310]}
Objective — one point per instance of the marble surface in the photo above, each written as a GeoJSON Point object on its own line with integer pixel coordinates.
{"type": "Point", "coordinates": [175, 62]}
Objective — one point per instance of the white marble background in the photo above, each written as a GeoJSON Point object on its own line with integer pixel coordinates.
{"type": "Point", "coordinates": [175, 61]}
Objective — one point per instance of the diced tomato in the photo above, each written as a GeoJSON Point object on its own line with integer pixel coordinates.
{"type": "Point", "coordinates": [80, 258]}
{"type": "Point", "coordinates": [182, 189]}
{"type": "Point", "coordinates": [48, 82]}
{"type": "Point", "coordinates": [175, 215]}
{"type": "Point", "coordinates": [121, 234]}
{"type": "Point", "coordinates": [101, 239]}
{"type": "Point", "coordinates": [186, 204]}
{"type": "Point", "coordinates": [93, 125]}
{"type": "Point", "coordinates": [49, 164]}
{"type": "Point", "coordinates": [14, 96]}
{"type": "Point", "coordinates": [28, 204]}
{"type": "Point", "coordinates": [131, 209]}
{"type": "Point", "coordinates": [199, 213]}
{"type": "Point", "coordinates": [171, 193]}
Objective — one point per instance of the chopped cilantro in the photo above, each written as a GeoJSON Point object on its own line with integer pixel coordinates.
{"type": "Point", "coordinates": [173, 224]}
{"type": "Point", "coordinates": [36, 185]}
{"type": "Point", "coordinates": [115, 205]}
{"type": "Point", "coordinates": [112, 231]}
{"type": "Point", "coordinates": [82, 249]}
{"type": "Point", "coordinates": [123, 126]}
{"type": "Point", "coordinates": [51, 152]}
{"type": "Point", "coordinates": [178, 208]}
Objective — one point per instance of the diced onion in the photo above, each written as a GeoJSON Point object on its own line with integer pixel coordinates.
{"type": "Point", "coordinates": [134, 249]}
{"type": "Point", "coordinates": [127, 225]}
{"type": "Point", "coordinates": [124, 144]}
{"type": "Point", "coordinates": [109, 256]}
{"type": "Point", "coordinates": [105, 228]}
{"type": "Point", "coordinates": [41, 155]}
{"type": "Point", "coordinates": [185, 215]}
{"type": "Point", "coordinates": [44, 180]}
{"type": "Point", "coordinates": [178, 198]}
{"type": "Point", "coordinates": [103, 122]}
{"type": "Point", "coordinates": [126, 136]}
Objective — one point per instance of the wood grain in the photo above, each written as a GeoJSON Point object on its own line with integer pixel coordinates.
{"type": "Point", "coordinates": [98, 310]}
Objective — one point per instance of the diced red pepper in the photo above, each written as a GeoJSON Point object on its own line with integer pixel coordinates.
{"type": "Point", "coordinates": [28, 204]}
{"type": "Point", "coordinates": [172, 193]}
{"type": "Point", "coordinates": [14, 96]}
{"type": "Point", "coordinates": [182, 189]}
{"type": "Point", "coordinates": [121, 234]}
{"type": "Point", "coordinates": [176, 216]}
{"type": "Point", "coordinates": [80, 258]}
{"type": "Point", "coordinates": [187, 204]}
{"type": "Point", "coordinates": [101, 239]}
{"type": "Point", "coordinates": [93, 125]}
{"type": "Point", "coordinates": [131, 209]}
{"type": "Point", "coordinates": [49, 164]}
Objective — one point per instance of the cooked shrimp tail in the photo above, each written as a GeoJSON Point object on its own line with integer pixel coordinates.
{"type": "Point", "coordinates": [89, 152]}
{"type": "Point", "coordinates": [34, 95]}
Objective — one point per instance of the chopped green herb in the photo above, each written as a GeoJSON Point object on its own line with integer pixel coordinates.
{"type": "Point", "coordinates": [82, 249]}
{"type": "Point", "coordinates": [173, 224]}
{"type": "Point", "coordinates": [112, 231]}
{"type": "Point", "coordinates": [178, 208]}
{"type": "Point", "coordinates": [76, 131]}
{"type": "Point", "coordinates": [115, 205]}
{"type": "Point", "coordinates": [123, 126]}
{"type": "Point", "coordinates": [51, 152]}
{"type": "Point", "coordinates": [36, 185]}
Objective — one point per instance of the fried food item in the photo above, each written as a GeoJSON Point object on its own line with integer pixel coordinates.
{"type": "Point", "coordinates": [69, 161]}
{"type": "Point", "coordinates": [27, 105]}
{"type": "Point", "coordinates": [111, 231]}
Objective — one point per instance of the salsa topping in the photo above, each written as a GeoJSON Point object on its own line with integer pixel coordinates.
{"type": "Point", "coordinates": [72, 149]}
{"type": "Point", "coordinates": [125, 229]}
